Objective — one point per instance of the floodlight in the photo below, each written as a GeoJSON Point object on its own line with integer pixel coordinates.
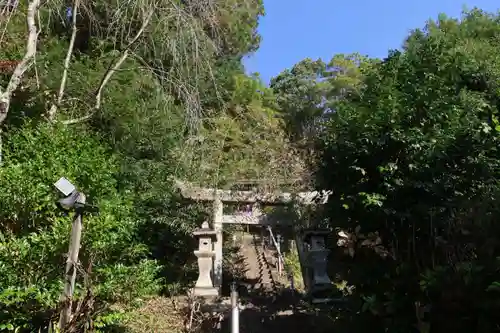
{"type": "Point", "coordinates": [72, 198]}
{"type": "Point", "coordinates": [64, 186]}
{"type": "Point", "coordinates": [69, 202]}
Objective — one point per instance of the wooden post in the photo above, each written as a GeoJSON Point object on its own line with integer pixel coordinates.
{"type": "Point", "coordinates": [218, 211]}
{"type": "Point", "coordinates": [71, 263]}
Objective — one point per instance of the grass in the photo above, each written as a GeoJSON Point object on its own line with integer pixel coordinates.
{"type": "Point", "coordinates": [292, 261]}
{"type": "Point", "coordinates": [157, 315]}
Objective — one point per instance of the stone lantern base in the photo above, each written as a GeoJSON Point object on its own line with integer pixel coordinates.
{"type": "Point", "coordinates": [318, 261]}
{"type": "Point", "coordinates": [204, 286]}
{"type": "Point", "coordinates": [205, 291]}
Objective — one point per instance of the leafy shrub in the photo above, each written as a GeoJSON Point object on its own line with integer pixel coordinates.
{"type": "Point", "coordinates": [413, 159]}
{"type": "Point", "coordinates": [34, 233]}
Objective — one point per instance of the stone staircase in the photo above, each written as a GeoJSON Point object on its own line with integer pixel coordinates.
{"type": "Point", "coordinates": [258, 258]}
{"type": "Point", "coordinates": [266, 308]}
{"type": "Point", "coordinates": [266, 305]}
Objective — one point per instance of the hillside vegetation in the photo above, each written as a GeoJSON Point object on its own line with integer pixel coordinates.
{"type": "Point", "coordinates": [122, 99]}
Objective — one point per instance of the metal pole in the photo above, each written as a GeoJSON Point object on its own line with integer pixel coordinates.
{"type": "Point", "coordinates": [274, 241]}
{"type": "Point", "coordinates": [235, 311]}
{"type": "Point", "coordinates": [262, 238]}
{"type": "Point", "coordinates": [278, 249]}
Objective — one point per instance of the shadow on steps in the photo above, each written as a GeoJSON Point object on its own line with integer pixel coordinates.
{"type": "Point", "coordinates": [278, 313]}
{"type": "Point", "coordinates": [266, 306]}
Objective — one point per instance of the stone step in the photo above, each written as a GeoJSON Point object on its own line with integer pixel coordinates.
{"type": "Point", "coordinates": [265, 271]}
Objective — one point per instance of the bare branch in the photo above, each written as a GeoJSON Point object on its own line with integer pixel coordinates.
{"type": "Point", "coordinates": [53, 109]}
{"type": "Point", "coordinates": [112, 70]}
{"type": "Point", "coordinates": [6, 14]}
{"type": "Point", "coordinates": [78, 120]}
{"type": "Point", "coordinates": [26, 62]}
{"type": "Point", "coordinates": [107, 76]}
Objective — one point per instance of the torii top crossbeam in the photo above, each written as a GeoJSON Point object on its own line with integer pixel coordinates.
{"type": "Point", "coordinates": [208, 194]}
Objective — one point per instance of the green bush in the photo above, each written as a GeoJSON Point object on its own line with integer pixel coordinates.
{"type": "Point", "coordinates": [413, 161]}
{"type": "Point", "coordinates": [34, 233]}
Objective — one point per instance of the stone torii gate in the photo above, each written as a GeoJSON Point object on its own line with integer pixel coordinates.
{"type": "Point", "coordinates": [219, 197]}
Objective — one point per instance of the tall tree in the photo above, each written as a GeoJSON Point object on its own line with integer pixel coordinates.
{"type": "Point", "coordinates": [308, 93]}
{"type": "Point", "coordinates": [413, 162]}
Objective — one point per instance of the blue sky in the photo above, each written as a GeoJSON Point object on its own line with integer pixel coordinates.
{"type": "Point", "coordinates": [295, 29]}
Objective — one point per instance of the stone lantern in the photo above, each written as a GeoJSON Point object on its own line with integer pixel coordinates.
{"type": "Point", "coordinates": [317, 259]}
{"type": "Point", "coordinates": [205, 255]}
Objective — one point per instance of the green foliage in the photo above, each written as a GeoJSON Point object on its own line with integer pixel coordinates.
{"type": "Point", "coordinates": [34, 234]}
{"type": "Point", "coordinates": [292, 262]}
{"type": "Point", "coordinates": [300, 93]}
{"type": "Point", "coordinates": [31, 168]}
{"type": "Point", "coordinates": [407, 144]}
{"type": "Point", "coordinates": [123, 155]}
{"type": "Point", "coordinates": [413, 161]}
{"type": "Point", "coordinates": [244, 142]}
{"type": "Point", "coordinates": [238, 28]}
{"type": "Point", "coordinates": [308, 93]}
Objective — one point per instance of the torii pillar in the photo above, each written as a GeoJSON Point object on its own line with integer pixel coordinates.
{"type": "Point", "coordinates": [218, 212]}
